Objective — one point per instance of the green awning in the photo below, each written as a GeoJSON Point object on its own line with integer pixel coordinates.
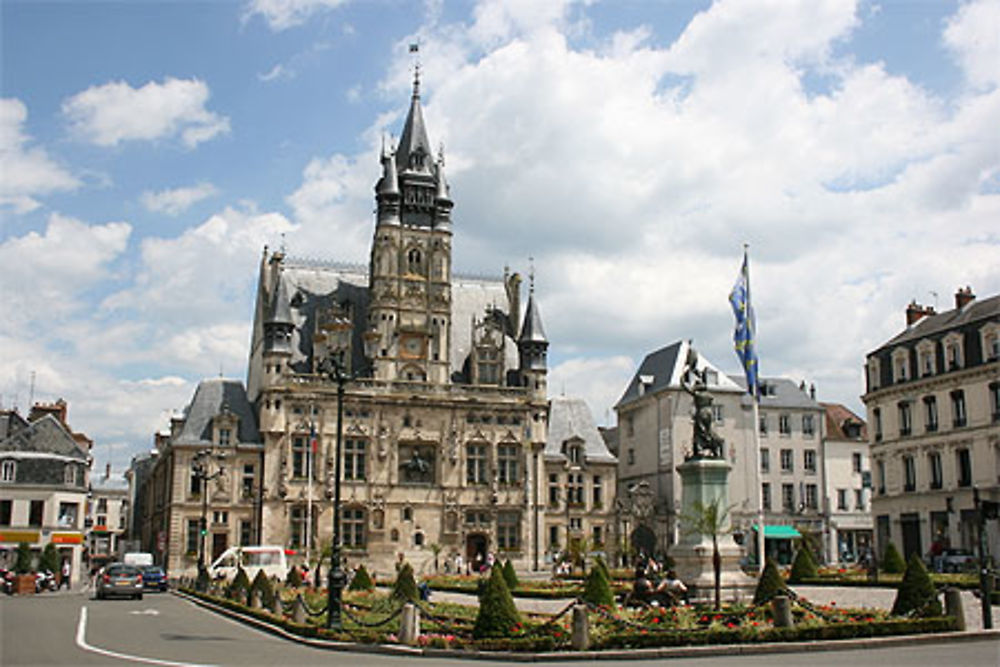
{"type": "Point", "coordinates": [780, 532]}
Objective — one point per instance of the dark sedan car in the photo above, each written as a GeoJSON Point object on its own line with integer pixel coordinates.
{"type": "Point", "coordinates": [153, 578]}
{"type": "Point", "coordinates": [119, 580]}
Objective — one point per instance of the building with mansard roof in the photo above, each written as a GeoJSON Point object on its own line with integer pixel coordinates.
{"type": "Point", "coordinates": [933, 401]}
{"type": "Point", "coordinates": [44, 473]}
{"type": "Point", "coordinates": [445, 410]}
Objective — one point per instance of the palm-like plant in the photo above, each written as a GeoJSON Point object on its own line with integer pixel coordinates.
{"type": "Point", "coordinates": [710, 520]}
{"type": "Point", "coordinates": [436, 550]}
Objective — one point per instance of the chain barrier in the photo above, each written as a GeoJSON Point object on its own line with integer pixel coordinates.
{"type": "Point", "coordinates": [552, 621]}
{"type": "Point", "coordinates": [359, 621]}
{"type": "Point", "coordinates": [310, 612]}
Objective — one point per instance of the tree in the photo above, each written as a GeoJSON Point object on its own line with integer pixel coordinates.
{"type": "Point", "coordinates": [497, 614]}
{"type": "Point", "coordinates": [361, 581]}
{"type": "Point", "coordinates": [509, 575]}
{"type": "Point", "coordinates": [597, 588]}
{"type": "Point", "coordinates": [50, 558]}
{"type": "Point", "coordinates": [769, 584]}
{"type": "Point", "coordinates": [578, 548]}
{"type": "Point", "coordinates": [405, 588]}
{"type": "Point", "coordinates": [892, 562]}
{"type": "Point", "coordinates": [916, 592]}
{"type": "Point", "coordinates": [803, 567]}
{"type": "Point", "coordinates": [436, 550]}
{"type": "Point", "coordinates": [24, 559]}
{"type": "Point", "coordinates": [710, 520]}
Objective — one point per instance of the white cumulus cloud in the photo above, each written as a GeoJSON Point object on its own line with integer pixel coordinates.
{"type": "Point", "coordinates": [114, 112]}
{"type": "Point", "coordinates": [284, 14]}
{"type": "Point", "coordinates": [973, 34]}
{"type": "Point", "coordinates": [177, 200]}
{"type": "Point", "coordinates": [28, 172]}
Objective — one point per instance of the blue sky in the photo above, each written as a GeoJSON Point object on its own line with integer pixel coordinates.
{"type": "Point", "coordinates": [149, 150]}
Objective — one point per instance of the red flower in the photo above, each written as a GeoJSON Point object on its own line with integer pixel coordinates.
{"type": "Point", "coordinates": [656, 619]}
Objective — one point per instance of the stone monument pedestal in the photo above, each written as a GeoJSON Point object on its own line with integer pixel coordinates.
{"type": "Point", "coordinates": [705, 481]}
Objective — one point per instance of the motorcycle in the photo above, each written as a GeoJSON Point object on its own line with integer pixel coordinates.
{"type": "Point", "coordinates": [45, 581]}
{"type": "Point", "coordinates": [7, 581]}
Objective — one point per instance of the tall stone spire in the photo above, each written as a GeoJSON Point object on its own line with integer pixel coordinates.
{"type": "Point", "coordinates": [414, 150]}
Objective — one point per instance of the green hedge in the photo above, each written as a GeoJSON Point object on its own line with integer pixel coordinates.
{"type": "Point", "coordinates": [810, 633]}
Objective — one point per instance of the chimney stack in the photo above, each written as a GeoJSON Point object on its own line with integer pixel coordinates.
{"type": "Point", "coordinates": [963, 296]}
{"type": "Point", "coordinates": [915, 311]}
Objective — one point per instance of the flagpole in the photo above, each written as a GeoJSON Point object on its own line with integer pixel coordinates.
{"type": "Point", "coordinates": [754, 396]}
{"type": "Point", "coordinates": [309, 487]}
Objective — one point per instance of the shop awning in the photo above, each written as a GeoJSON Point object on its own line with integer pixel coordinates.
{"type": "Point", "coordinates": [780, 532]}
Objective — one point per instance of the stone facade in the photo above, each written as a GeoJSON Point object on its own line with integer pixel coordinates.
{"type": "Point", "coordinates": [847, 469]}
{"type": "Point", "coordinates": [933, 401]}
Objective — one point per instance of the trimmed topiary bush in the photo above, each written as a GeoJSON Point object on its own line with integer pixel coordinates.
{"type": "Point", "coordinates": [803, 567]}
{"type": "Point", "coordinates": [597, 589]}
{"type": "Point", "coordinates": [361, 580]}
{"type": "Point", "coordinates": [769, 584]}
{"type": "Point", "coordinates": [262, 584]}
{"type": "Point", "coordinates": [892, 562]}
{"type": "Point", "coordinates": [294, 578]}
{"type": "Point", "coordinates": [405, 588]}
{"type": "Point", "coordinates": [509, 575]}
{"type": "Point", "coordinates": [23, 563]}
{"type": "Point", "coordinates": [497, 615]}
{"type": "Point", "coordinates": [916, 594]}
{"type": "Point", "coordinates": [239, 587]}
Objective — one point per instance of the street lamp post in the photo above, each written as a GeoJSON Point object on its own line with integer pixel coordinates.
{"type": "Point", "coordinates": [200, 471]}
{"type": "Point", "coordinates": [336, 577]}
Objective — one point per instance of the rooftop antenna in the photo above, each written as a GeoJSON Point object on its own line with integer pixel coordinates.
{"type": "Point", "coordinates": [935, 295]}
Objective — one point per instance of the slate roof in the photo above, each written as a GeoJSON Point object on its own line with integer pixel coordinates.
{"type": "Point", "coordinates": [46, 437]}
{"type": "Point", "coordinates": [780, 393]}
{"type": "Point", "coordinates": [532, 330]}
{"type": "Point", "coordinates": [663, 368]}
{"type": "Point", "coordinates": [570, 418]}
{"type": "Point", "coordinates": [210, 399]}
{"type": "Point", "coordinates": [951, 319]}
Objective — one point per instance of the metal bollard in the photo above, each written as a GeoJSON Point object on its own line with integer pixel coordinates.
{"type": "Point", "coordinates": [276, 604]}
{"type": "Point", "coordinates": [409, 624]}
{"type": "Point", "coordinates": [580, 639]}
{"type": "Point", "coordinates": [781, 609]}
{"type": "Point", "coordinates": [255, 601]}
{"type": "Point", "coordinates": [953, 606]}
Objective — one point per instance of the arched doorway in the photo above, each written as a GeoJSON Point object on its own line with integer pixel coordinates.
{"type": "Point", "coordinates": [643, 540]}
{"type": "Point", "coordinates": [475, 550]}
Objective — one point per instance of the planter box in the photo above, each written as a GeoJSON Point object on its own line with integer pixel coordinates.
{"type": "Point", "coordinates": [24, 584]}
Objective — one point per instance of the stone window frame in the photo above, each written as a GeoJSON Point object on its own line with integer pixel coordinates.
{"type": "Point", "coordinates": [873, 368]}
{"type": "Point", "coordinates": [954, 351]}
{"type": "Point", "coordinates": [356, 454]}
{"type": "Point", "coordinates": [353, 527]}
{"type": "Point", "coordinates": [477, 463]}
{"type": "Point", "coordinates": [989, 336]}
{"type": "Point", "coordinates": [900, 365]}
{"type": "Point", "coordinates": [508, 463]}
{"type": "Point", "coordinates": [931, 417]}
{"type": "Point", "coordinates": [508, 530]}
{"type": "Point", "coordinates": [8, 470]}
{"type": "Point", "coordinates": [926, 358]}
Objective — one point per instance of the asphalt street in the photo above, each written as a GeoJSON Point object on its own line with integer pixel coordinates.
{"type": "Point", "coordinates": [161, 629]}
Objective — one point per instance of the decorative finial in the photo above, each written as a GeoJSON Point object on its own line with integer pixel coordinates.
{"type": "Point", "coordinates": [531, 275]}
{"type": "Point", "coordinates": [282, 243]}
{"type": "Point", "coordinates": [415, 48]}
{"type": "Point", "coordinates": [441, 153]}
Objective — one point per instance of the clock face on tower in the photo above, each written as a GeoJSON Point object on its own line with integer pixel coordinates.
{"type": "Point", "coordinates": [411, 347]}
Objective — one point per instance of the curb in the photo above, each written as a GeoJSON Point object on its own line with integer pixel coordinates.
{"type": "Point", "coordinates": [633, 654]}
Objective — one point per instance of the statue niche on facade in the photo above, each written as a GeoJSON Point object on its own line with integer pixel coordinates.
{"type": "Point", "coordinates": [706, 443]}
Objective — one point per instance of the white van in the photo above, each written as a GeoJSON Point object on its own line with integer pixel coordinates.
{"type": "Point", "coordinates": [271, 559]}
{"type": "Point", "coordinates": [138, 558]}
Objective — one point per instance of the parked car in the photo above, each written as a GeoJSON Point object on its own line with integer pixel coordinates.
{"type": "Point", "coordinates": [119, 579]}
{"type": "Point", "coordinates": [954, 560]}
{"type": "Point", "coordinates": [153, 578]}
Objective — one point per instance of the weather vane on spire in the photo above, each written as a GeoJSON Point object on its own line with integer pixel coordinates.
{"type": "Point", "coordinates": [415, 49]}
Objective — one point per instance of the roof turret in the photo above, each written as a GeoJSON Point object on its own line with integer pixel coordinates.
{"type": "Point", "coordinates": [414, 150]}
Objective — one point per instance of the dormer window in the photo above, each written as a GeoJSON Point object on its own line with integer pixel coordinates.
{"type": "Point", "coordinates": [225, 437]}
{"type": "Point", "coordinates": [991, 341]}
{"type": "Point", "coordinates": [925, 356]}
{"type": "Point", "coordinates": [953, 353]}
{"type": "Point", "coordinates": [873, 373]}
{"type": "Point", "coordinates": [900, 365]}
{"type": "Point", "coordinates": [575, 454]}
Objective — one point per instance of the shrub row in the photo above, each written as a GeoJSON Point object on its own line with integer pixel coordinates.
{"type": "Point", "coordinates": [808, 633]}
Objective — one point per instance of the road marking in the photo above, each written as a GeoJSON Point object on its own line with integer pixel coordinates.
{"type": "Point", "coordinates": [81, 641]}
{"type": "Point", "coordinates": [146, 612]}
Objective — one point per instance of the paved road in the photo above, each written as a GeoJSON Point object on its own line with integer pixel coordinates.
{"type": "Point", "coordinates": [168, 631]}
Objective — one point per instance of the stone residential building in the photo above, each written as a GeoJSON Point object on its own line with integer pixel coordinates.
{"type": "Point", "coordinates": [580, 476]}
{"type": "Point", "coordinates": [108, 516]}
{"type": "Point", "coordinates": [847, 470]}
{"type": "Point", "coordinates": [44, 478]}
{"type": "Point", "coordinates": [445, 410]}
{"type": "Point", "coordinates": [933, 402]}
{"type": "Point", "coordinates": [218, 428]}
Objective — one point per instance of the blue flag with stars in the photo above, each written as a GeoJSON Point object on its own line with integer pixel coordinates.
{"type": "Point", "coordinates": [746, 327]}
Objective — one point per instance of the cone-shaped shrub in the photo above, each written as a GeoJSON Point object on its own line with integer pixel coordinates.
{"type": "Point", "coordinates": [597, 589]}
{"type": "Point", "coordinates": [599, 562]}
{"type": "Point", "coordinates": [23, 563]}
{"type": "Point", "coordinates": [50, 558]}
{"type": "Point", "coordinates": [294, 578]}
{"type": "Point", "coordinates": [803, 567]}
{"type": "Point", "coordinates": [361, 581]}
{"type": "Point", "coordinates": [405, 588]}
{"type": "Point", "coordinates": [916, 593]}
{"type": "Point", "coordinates": [262, 585]}
{"type": "Point", "coordinates": [240, 585]}
{"type": "Point", "coordinates": [497, 615]}
{"type": "Point", "coordinates": [509, 575]}
{"type": "Point", "coordinates": [892, 562]}
{"type": "Point", "coordinates": [769, 584]}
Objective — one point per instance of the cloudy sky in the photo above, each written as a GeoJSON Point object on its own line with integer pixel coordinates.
{"type": "Point", "coordinates": [150, 150]}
